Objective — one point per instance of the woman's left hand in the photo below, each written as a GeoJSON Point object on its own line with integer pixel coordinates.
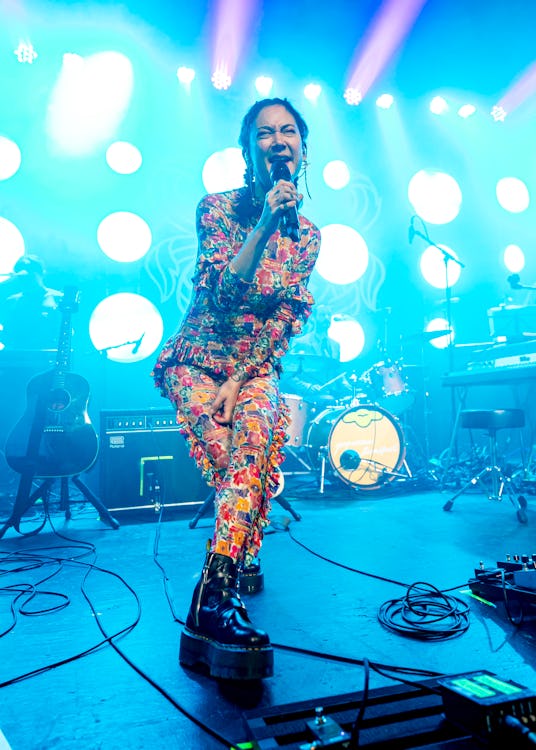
{"type": "Point", "coordinates": [223, 405]}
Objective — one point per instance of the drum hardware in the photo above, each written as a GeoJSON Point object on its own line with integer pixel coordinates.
{"type": "Point", "coordinates": [297, 457]}
{"type": "Point", "coordinates": [351, 461]}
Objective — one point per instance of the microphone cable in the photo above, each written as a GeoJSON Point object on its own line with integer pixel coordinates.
{"type": "Point", "coordinates": [424, 612]}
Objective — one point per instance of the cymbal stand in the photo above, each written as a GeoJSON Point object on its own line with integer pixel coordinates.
{"type": "Point", "coordinates": [323, 453]}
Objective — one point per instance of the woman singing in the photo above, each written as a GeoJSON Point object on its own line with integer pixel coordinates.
{"type": "Point", "coordinates": [221, 371]}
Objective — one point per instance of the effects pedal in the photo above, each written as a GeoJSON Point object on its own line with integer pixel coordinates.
{"type": "Point", "coordinates": [499, 711]}
{"type": "Point", "coordinates": [326, 731]}
{"type": "Point", "coordinates": [512, 581]}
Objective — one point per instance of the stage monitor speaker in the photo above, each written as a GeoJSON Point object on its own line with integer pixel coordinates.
{"type": "Point", "coordinates": [145, 463]}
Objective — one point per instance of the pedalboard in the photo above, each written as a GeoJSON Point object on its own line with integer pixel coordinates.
{"type": "Point", "coordinates": [511, 582]}
{"type": "Point", "coordinates": [463, 711]}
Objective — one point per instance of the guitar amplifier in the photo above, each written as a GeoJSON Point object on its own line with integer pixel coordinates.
{"type": "Point", "coordinates": [145, 463]}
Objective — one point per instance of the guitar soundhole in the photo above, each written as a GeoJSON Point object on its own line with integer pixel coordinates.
{"type": "Point", "coordinates": [58, 399]}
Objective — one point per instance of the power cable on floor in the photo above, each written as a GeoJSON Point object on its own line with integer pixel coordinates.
{"type": "Point", "coordinates": [424, 612]}
{"type": "Point", "coordinates": [35, 559]}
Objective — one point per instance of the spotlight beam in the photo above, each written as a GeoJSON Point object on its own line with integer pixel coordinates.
{"type": "Point", "coordinates": [388, 29]}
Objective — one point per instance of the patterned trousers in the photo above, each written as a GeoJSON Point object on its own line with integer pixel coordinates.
{"type": "Point", "coordinates": [240, 460]}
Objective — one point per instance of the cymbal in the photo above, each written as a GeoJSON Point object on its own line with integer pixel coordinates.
{"type": "Point", "coordinates": [427, 335]}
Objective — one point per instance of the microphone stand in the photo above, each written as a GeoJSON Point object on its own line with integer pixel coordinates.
{"type": "Point", "coordinates": [448, 292]}
{"type": "Point", "coordinates": [455, 412]}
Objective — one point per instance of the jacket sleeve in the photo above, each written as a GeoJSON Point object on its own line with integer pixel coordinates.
{"type": "Point", "coordinates": [288, 317]}
{"type": "Point", "coordinates": [215, 252]}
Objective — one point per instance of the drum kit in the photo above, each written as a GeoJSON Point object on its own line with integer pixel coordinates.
{"type": "Point", "coordinates": [360, 434]}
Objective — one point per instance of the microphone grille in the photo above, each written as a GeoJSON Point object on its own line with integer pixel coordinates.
{"type": "Point", "coordinates": [280, 171]}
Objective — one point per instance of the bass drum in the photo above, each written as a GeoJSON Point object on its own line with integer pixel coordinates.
{"type": "Point", "coordinates": [318, 434]}
{"type": "Point", "coordinates": [365, 444]}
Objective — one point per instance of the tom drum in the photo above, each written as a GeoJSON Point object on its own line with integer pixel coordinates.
{"type": "Point", "coordinates": [388, 387]}
{"type": "Point", "coordinates": [299, 417]}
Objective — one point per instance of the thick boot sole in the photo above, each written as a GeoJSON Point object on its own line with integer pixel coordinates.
{"type": "Point", "coordinates": [225, 661]}
{"type": "Point", "coordinates": [251, 583]}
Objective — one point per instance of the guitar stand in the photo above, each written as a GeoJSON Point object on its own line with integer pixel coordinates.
{"type": "Point", "coordinates": [25, 500]}
{"type": "Point", "coordinates": [209, 502]}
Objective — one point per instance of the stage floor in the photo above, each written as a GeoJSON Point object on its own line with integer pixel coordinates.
{"type": "Point", "coordinates": [326, 577]}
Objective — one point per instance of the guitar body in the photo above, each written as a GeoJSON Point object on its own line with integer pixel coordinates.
{"type": "Point", "coordinates": [54, 437]}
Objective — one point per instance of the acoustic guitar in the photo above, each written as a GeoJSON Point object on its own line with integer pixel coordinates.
{"type": "Point", "coordinates": [55, 437]}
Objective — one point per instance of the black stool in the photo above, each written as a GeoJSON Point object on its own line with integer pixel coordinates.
{"type": "Point", "coordinates": [491, 421]}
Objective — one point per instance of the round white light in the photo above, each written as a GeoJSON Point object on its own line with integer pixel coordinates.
{"type": "Point", "coordinates": [343, 256]}
{"type": "Point", "coordinates": [384, 101]}
{"type": "Point", "coordinates": [512, 194]}
{"type": "Point", "coordinates": [514, 258]}
{"type": "Point", "coordinates": [124, 236]}
{"type": "Point", "coordinates": [336, 174]}
{"type": "Point", "coordinates": [438, 105]}
{"type": "Point", "coordinates": [432, 265]}
{"type": "Point", "coordinates": [435, 196]}
{"type": "Point", "coordinates": [441, 324]}
{"type": "Point", "coordinates": [312, 91]}
{"type": "Point", "coordinates": [185, 75]}
{"type": "Point", "coordinates": [10, 158]}
{"type": "Point", "coordinates": [126, 327]}
{"type": "Point", "coordinates": [11, 244]}
{"type": "Point", "coordinates": [349, 334]}
{"type": "Point", "coordinates": [466, 110]}
{"type": "Point", "coordinates": [224, 170]}
{"type": "Point", "coordinates": [264, 84]}
{"type": "Point", "coordinates": [123, 157]}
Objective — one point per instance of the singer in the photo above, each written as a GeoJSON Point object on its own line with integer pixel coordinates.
{"type": "Point", "coordinates": [221, 371]}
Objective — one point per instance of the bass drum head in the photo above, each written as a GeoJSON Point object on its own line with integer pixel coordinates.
{"type": "Point", "coordinates": [366, 446]}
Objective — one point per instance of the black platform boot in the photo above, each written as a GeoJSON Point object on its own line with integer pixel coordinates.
{"type": "Point", "coordinates": [218, 631]}
{"type": "Point", "coordinates": [251, 578]}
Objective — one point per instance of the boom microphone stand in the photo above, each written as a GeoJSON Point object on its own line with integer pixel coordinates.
{"type": "Point", "coordinates": [455, 412]}
{"type": "Point", "coordinates": [448, 291]}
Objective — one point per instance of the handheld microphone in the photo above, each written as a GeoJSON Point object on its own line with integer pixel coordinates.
{"type": "Point", "coordinates": [291, 223]}
{"type": "Point", "coordinates": [137, 344]}
{"type": "Point", "coordinates": [411, 230]}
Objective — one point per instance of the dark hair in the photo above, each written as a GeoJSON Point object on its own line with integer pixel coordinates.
{"type": "Point", "coordinates": [245, 207]}
{"type": "Point", "coordinates": [30, 263]}
{"type": "Point", "coordinates": [251, 116]}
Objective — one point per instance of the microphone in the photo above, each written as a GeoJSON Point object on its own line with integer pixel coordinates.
{"type": "Point", "coordinates": [411, 230]}
{"type": "Point", "coordinates": [350, 460]}
{"type": "Point", "coordinates": [137, 344]}
{"type": "Point", "coordinates": [514, 280]}
{"type": "Point", "coordinates": [291, 223]}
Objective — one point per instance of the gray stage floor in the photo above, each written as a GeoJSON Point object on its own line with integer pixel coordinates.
{"type": "Point", "coordinates": [326, 577]}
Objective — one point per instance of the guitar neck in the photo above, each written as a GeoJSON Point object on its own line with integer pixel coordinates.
{"type": "Point", "coordinates": [63, 357]}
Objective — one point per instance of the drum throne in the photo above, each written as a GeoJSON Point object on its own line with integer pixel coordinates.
{"type": "Point", "coordinates": [492, 477]}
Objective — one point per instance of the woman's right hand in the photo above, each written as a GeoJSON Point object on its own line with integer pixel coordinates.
{"type": "Point", "coordinates": [223, 405]}
{"type": "Point", "coordinates": [279, 199]}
